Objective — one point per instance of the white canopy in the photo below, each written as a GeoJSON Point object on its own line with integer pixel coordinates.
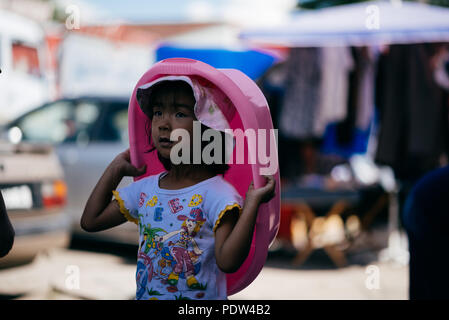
{"type": "Point", "coordinates": [366, 23]}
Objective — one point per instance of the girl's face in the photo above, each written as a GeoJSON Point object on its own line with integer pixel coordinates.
{"type": "Point", "coordinates": [171, 108]}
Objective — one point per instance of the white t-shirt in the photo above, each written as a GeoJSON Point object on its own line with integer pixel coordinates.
{"type": "Point", "coordinates": [176, 258]}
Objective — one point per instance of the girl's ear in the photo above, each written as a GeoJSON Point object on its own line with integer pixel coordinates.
{"type": "Point", "coordinates": [148, 132]}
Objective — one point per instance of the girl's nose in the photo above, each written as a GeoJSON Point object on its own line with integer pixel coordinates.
{"type": "Point", "coordinates": [164, 123]}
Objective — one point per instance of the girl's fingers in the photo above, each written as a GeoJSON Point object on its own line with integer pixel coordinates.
{"type": "Point", "coordinates": [142, 170]}
{"type": "Point", "coordinates": [269, 179]}
{"type": "Point", "coordinates": [270, 183]}
{"type": "Point", "coordinates": [267, 187]}
{"type": "Point", "coordinates": [126, 154]}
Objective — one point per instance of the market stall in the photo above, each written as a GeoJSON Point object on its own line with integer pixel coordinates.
{"type": "Point", "coordinates": [360, 83]}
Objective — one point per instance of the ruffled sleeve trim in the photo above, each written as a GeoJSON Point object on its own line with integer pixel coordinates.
{"type": "Point", "coordinates": [123, 209]}
{"type": "Point", "coordinates": [228, 208]}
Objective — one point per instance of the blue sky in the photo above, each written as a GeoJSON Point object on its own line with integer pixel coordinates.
{"type": "Point", "coordinates": [170, 10]}
{"type": "Point", "coordinates": [144, 9]}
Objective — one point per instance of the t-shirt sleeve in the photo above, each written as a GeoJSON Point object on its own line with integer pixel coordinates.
{"type": "Point", "coordinates": [129, 199]}
{"type": "Point", "coordinates": [220, 200]}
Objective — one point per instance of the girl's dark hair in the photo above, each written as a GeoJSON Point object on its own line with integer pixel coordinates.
{"type": "Point", "coordinates": [145, 104]}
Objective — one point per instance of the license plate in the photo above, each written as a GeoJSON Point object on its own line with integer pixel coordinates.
{"type": "Point", "coordinates": [19, 197]}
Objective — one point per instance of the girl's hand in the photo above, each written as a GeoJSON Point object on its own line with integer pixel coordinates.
{"type": "Point", "coordinates": [263, 194]}
{"type": "Point", "coordinates": [235, 232]}
{"type": "Point", "coordinates": [100, 213]}
{"type": "Point", "coordinates": [123, 167]}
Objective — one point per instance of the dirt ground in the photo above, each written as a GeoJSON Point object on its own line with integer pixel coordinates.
{"type": "Point", "coordinates": [81, 274]}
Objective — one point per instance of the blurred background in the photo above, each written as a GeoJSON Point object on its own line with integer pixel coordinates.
{"type": "Point", "coordinates": [357, 89]}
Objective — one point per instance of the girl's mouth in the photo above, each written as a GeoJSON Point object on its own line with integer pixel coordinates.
{"type": "Point", "coordinates": [165, 142]}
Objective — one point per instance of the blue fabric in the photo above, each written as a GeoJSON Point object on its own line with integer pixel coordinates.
{"type": "Point", "coordinates": [253, 63]}
{"type": "Point", "coordinates": [427, 206]}
{"type": "Point", "coordinates": [426, 220]}
{"type": "Point", "coordinates": [358, 144]}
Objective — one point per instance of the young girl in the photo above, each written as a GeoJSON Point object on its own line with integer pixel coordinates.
{"type": "Point", "coordinates": [194, 227]}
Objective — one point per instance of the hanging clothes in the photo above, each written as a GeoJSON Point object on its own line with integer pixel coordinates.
{"type": "Point", "coordinates": [336, 63]}
{"type": "Point", "coordinates": [367, 64]}
{"type": "Point", "coordinates": [302, 94]}
{"type": "Point", "coordinates": [349, 132]}
{"type": "Point", "coordinates": [413, 112]}
{"type": "Point", "coordinates": [441, 73]}
{"type": "Point", "coordinates": [352, 133]}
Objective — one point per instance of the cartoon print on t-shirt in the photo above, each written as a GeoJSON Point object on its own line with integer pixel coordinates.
{"type": "Point", "coordinates": [196, 200]}
{"type": "Point", "coordinates": [158, 214]}
{"type": "Point", "coordinates": [196, 213]}
{"type": "Point", "coordinates": [149, 241]}
{"type": "Point", "coordinates": [165, 263]}
{"type": "Point", "coordinates": [144, 273]}
{"type": "Point", "coordinates": [174, 205]}
{"type": "Point", "coordinates": [152, 202]}
{"type": "Point", "coordinates": [149, 250]}
{"type": "Point", "coordinates": [142, 199]}
{"type": "Point", "coordinates": [183, 260]}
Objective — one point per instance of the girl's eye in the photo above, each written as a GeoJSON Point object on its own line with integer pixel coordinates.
{"type": "Point", "coordinates": [180, 115]}
{"type": "Point", "coordinates": [157, 113]}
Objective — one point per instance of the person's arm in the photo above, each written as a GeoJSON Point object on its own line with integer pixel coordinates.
{"type": "Point", "coordinates": [100, 212]}
{"type": "Point", "coordinates": [6, 230]}
{"type": "Point", "coordinates": [234, 234]}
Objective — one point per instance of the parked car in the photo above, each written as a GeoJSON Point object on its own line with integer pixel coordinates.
{"type": "Point", "coordinates": [87, 132]}
{"type": "Point", "coordinates": [34, 191]}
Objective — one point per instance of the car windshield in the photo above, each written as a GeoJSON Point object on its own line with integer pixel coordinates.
{"type": "Point", "coordinates": [79, 122]}
{"type": "Point", "coordinates": [61, 121]}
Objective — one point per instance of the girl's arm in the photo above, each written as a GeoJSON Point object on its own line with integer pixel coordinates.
{"type": "Point", "coordinates": [234, 234]}
{"type": "Point", "coordinates": [100, 212]}
{"type": "Point", "coordinates": [6, 230]}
